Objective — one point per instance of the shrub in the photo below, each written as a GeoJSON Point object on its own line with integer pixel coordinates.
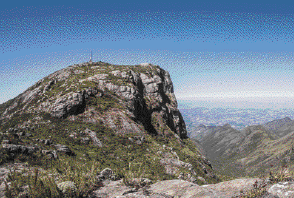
{"type": "Point", "coordinates": [43, 185]}
{"type": "Point", "coordinates": [68, 188]}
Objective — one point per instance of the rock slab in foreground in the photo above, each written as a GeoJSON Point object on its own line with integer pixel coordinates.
{"type": "Point", "coordinates": [178, 188]}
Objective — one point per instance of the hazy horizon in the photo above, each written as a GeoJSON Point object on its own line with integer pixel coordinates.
{"type": "Point", "coordinates": [218, 53]}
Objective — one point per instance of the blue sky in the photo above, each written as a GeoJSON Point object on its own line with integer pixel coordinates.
{"type": "Point", "coordinates": [218, 53]}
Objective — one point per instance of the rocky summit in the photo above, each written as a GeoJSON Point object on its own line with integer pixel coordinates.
{"type": "Point", "coordinates": [106, 93]}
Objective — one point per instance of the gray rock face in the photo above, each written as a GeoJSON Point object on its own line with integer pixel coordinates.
{"type": "Point", "coordinates": [158, 89]}
{"type": "Point", "coordinates": [69, 104]}
{"type": "Point", "coordinates": [48, 86]}
{"type": "Point", "coordinates": [282, 189]}
{"type": "Point", "coordinates": [72, 103]}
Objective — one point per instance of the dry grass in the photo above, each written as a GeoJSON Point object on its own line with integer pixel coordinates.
{"type": "Point", "coordinates": [260, 189]}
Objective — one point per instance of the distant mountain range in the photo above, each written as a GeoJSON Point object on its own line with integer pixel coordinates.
{"type": "Point", "coordinates": [248, 151]}
{"type": "Point", "coordinates": [237, 118]}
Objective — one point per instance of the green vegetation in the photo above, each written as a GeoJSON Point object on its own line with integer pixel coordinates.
{"type": "Point", "coordinates": [56, 89]}
{"type": "Point", "coordinates": [104, 103]}
{"type": "Point", "coordinates": [16, 119]}
{"type": "Point", "coordinates": [5, 105]}
{"type": "Point", "coordinates": [117, 153]}
{"type": "Point", "coordinates": [82, 174]}
{"type": "Point", "coordinates": [127, 159]}
{"type": "Point", "coordinates": [258, 190]}
{"type": "Point", "coordinates": [118, 80]}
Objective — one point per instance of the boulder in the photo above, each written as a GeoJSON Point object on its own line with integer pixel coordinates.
{"type": "Point", "coordinates": [202, 179]}
{"type": "Point", "coordinates": [64, 149]}
{"type": "Point", "coordinates": [106, 173]}
{"type": "Point", "coordinates": [94, 138]}
{"type": "Point", "coordinates": [282, 189]}
{"type": "Point", "coordinates": [47, 142]}
{"type": "Point", "coordinates": [138, 139]}
{"type": "Point", "coordinates": [187, 189]}
{"type": "Point", "coordinates": [85, 140]}
{"type": "Point", "coordinates": [171, 163]}
{"type": "Point", "coordinates": [111, 189]}
{"type": "Point", "coordinates": [12, 148]}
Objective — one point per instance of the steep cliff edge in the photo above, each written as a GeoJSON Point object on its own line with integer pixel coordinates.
{"type": "Point", "coordinates": [123, 117]}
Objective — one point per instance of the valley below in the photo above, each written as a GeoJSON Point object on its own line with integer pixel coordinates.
{"type": "Point", "coordinates": [250, 152]}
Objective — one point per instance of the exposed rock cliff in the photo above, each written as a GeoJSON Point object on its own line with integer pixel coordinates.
{"type": "Point", "coordinates": [143, 94]}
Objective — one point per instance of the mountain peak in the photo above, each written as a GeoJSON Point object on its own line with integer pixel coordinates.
{"type": "Point", "coordinates": [227, 125]}
{"type": "Point", "coordinates": [287, 118]}
{"type": "Point", "coordinates": [142, 91]}
{"type": "Point", "coordinates": [277, 124]}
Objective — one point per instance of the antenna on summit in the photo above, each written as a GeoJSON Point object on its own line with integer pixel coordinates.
{"type": "Point", "coordinates": [90, 58]}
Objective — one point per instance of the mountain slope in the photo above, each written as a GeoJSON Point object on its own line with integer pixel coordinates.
{"type": "Point", "coordinates": [280, 127]}
{"type": "Point", "coordinates": [201, 131]}
{"type": "Point", "coordinates": [248, 152]}
{"type": "Point", "coordinates": [116, 116]}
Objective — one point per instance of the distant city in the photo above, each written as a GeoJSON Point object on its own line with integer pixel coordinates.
{"type": "Point", "coordinates": [238, 118]}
